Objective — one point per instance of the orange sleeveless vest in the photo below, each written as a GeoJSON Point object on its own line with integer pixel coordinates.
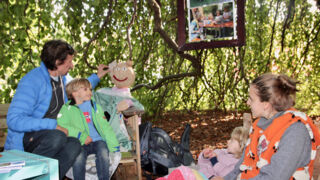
{"type": "Point", "coordinates": [268, 141]}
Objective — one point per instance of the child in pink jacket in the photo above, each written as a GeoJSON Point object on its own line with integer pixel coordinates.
{"type": "Point", "coordinates": [211, 162]}
{"type": "Point", "coordinates": [220, 162]}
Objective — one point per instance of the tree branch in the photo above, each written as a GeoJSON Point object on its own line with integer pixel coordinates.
{"type": "Point", "coordinates": [287, 22]}
{"type": "Point", "coordinates": [158, 25]}
{"type": "Point", "coordinates": [306, 50]}
{"type": "Point", "coordinates": [272, 34]}
{"type": "Point", "coordinates": [170, 78]}
{"type": "Point", "coordinates": [172, 44]}
{"type": "Point", "coordinates": [129, 26]}
{"type": "Point", "coordinates": [86, 47]}
{"type": "Point", "coordinates": [27, 33]}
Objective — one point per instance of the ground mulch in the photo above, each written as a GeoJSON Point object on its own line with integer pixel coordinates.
{"type": "Point", "coordinates": [209, 128]}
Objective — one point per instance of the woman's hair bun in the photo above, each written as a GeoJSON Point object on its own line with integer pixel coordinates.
{"type": "Point", "coordinates": [287, 85]}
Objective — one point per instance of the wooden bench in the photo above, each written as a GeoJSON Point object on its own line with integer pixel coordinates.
{"type": "Point", "coordinates": [3, 124]}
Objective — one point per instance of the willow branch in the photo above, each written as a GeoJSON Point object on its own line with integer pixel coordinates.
{"type": "Point", "coordinates": [172, 44]}
{"type": "Point", "coordinates": [287, 22]}
{"type": "Point", "coordinates": [105, 23]}
{"type": "Point", "coordinates": [158, 25]}
{"type": "Point", "coordinates": [272, 34]}
{"type": "Point", "coordinates": [305, 52]}
{"type": "Point", "coordinates": [129, 26]}
{"type": "Point", "coordinates": [27, 33]}
{"type": "Point", "coordinates": [171, 78]}
{"type": "Point", "coordinates": [317, 25]}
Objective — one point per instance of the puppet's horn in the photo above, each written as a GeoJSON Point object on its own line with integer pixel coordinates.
{"type": "Point", "coordinates": [129, 63]}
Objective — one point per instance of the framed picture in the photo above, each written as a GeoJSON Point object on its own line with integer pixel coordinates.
{"type": "Point", "coordinates": [204, 24]}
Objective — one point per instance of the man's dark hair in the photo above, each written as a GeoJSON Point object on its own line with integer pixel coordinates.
{"type": "Point", "coordinates": [55, 50]}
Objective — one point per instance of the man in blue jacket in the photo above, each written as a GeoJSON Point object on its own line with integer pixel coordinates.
{"type": "Point", "coordinates": [31, 119]}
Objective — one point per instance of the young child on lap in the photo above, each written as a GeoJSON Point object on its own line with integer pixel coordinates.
{"type": "Point", "coordinates": [220, 162]}
{"type": "Point", "coordinates": [86, 121]}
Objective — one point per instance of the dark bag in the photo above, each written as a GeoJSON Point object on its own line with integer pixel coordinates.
{"type": "Point", "coordinates": [144, 130]}
{"type": "Point", "coordinates": [159, 152]}
{"type": "Point", "coordinates": [183, 149]}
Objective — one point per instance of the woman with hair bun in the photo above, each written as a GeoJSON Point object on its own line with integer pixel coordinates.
{"type": "Point", "coordinates": [282, 142]}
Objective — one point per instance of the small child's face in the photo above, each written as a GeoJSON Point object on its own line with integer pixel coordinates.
{"type": "Point", "coordinates": [233, 146]}
{"type": "Point", "coordinates": [210, 16]}
{"type": "Point", "coordinates": [82, 94]}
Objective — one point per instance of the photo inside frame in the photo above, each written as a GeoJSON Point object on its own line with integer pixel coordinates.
{"type": "Point", "coordinates": [211, 20]}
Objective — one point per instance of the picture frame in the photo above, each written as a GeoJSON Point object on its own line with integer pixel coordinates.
{"type": "Point", "coordinates": [199, 26]}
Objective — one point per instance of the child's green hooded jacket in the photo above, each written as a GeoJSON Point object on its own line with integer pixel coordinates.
{"type": "Point", "coordinates": [72, 118]}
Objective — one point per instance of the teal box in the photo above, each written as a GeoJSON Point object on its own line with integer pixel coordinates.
{"type": "Point", "coordinates": [35, 166]}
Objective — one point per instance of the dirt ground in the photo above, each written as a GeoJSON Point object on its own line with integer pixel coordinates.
{"type": "Point", "coordinates": [209, 128]}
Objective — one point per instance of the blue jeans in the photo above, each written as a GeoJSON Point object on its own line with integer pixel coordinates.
{"type": "Point", "coordinates": [100, 149]}
{"type": "Point", "coordinates": [54, 144]}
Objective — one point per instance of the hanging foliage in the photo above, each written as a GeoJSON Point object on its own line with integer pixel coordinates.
{"type": "Point", "coordinates": [282, 36]}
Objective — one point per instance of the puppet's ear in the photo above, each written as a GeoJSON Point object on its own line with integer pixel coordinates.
{"type": "Point", "coordinates": [112, 64]}
{"type": "Point", "coordinates": [129, 63]}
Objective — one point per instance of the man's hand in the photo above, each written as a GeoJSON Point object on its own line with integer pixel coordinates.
{"type": "Point", "coordinates": [102, 70]}
{"type": "Point", "coordinates": [88, 140]}
{"type": "Point", "coordinates": [64, 130]}
{"type": "Point", "coordinates": [208, 153]}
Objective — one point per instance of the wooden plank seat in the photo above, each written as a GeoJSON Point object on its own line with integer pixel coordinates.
{"type": "Point", "coordinates": [3, 124]}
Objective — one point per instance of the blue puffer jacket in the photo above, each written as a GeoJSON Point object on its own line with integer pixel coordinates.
{"type": "Point", "coordinates": [30, 103]}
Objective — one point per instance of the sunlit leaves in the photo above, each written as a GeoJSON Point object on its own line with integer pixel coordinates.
{"type": "Point", "coordinates": [26, 25]}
